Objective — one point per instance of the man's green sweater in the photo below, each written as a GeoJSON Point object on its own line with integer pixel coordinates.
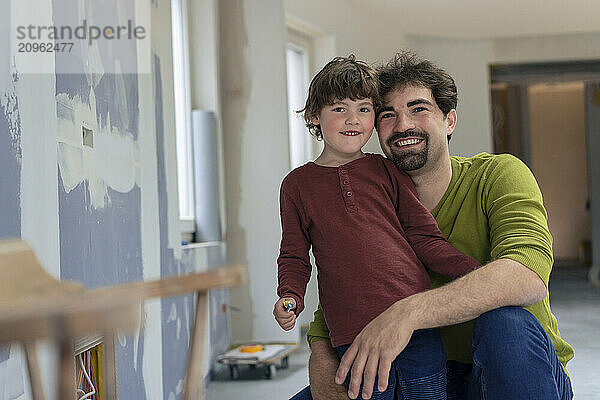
{"type": "Point", "coordinates": [492, 209]}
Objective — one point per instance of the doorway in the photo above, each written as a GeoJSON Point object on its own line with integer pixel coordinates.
{"type": "Point", "coordinates": [548, 116]}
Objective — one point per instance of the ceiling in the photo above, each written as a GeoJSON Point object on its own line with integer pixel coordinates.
{"type": "Point", "coordinates": [484, 19]}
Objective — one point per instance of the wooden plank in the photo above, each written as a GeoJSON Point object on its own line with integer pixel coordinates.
{"type": "Point", "coordinates": [84, 343]}
{"type": "Point", "coordinates": [110, 367]}
{"type": "Point", "coordinates": [22, 276]}
{"type": "Point", "coordinates": [66, 369]}
{"type": "Point", "coordinates": [33, 368]}
{"type": "Point", "coordinates": [194, 380]}
{"type": "Point", "coordinates": [229, 276]}
{"type": "Point", "coordinates": [78, 315]}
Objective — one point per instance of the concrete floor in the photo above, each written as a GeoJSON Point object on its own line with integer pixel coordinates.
{"type": "Point", "coordinates": [576, 305]}
{"type": "Point", "coordinates": [574, 301]}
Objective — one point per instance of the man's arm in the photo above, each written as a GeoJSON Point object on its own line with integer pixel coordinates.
{"type": "Point", "coordinates": [503, 282]}
{"type": "Point", "coordinates": [322, 366]}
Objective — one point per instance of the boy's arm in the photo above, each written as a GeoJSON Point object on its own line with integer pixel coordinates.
{"type": "Point", "coordinates": [294, 268]}
{"type": "Point", "coordinates": [425, 237]}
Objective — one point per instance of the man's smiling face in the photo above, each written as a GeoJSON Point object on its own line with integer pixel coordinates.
{"type": "Point", "coordinates": [412, 129]}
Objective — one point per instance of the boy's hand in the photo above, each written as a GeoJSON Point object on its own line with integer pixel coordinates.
{"type": "Point", "coordinates": [284, 314]}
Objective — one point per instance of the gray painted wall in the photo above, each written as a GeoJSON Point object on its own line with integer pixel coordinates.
{"type": "Point", "coordinates": [100, 214]}
{"type": "Point", "coordinates": [10, 140]}
{"type": "Point", "coordinates": [100, 246]}
{"type": "Point", "coordinates": [175, 330]}
{"type": "Point", "coordinates": [10, 170]}
{"type": "Point", "coordinates": [10, 152]}
{"type": "Point", "coordinates": [10, 165]}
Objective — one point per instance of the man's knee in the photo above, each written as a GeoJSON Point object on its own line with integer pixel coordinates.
{"type": "Point", "coordinates": [507, 330]}
{"type": "Point", "coordinates": [508, 341]}
{"type": "Point", "coordinates": [504, 319]}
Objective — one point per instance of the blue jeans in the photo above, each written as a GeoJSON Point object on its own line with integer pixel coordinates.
{"type": "Point", "coordinates": [419, 372]}
{"type": "Point", "coordinates": [513, 358]}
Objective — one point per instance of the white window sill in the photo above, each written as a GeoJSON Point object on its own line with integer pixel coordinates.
{"type": "Point", "coordinates": [187, 227]}
{"type": "Point", "coordinates": [202, 245]}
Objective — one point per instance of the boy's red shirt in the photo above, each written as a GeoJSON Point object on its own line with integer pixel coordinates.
{"type": "Point", "coordinates": [370, 236]}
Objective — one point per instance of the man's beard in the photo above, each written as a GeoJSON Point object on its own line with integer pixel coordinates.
{"type": "Point", "coordinates": [408, 160]}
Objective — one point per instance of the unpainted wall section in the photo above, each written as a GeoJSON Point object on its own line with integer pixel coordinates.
{"type": "Point", "coordinates": [353, 28]}
{"type": "Point", "coordinates": [254, 118]}
{"type": "Point", "coordinates": [559, 162]}
{"type": "Point", "coordinates": [592, 110]}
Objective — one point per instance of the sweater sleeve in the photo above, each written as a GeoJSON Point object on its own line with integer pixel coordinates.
{"type": "Point", "coordinates": [293, 263]}
{"type": "Point", "coordinates": [517, 217]}
{"type": "Point", "coordinates": [424, 236]}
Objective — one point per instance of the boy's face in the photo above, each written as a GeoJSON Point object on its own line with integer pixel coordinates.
{"type": "Point", "coordinates": [346, 125]}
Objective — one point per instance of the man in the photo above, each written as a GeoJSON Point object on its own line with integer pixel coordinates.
{"type": "Point", "coordinates": [489, 207]}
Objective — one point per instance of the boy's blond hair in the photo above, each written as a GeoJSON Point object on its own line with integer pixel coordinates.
{"type": "Point", "coordinates": [341, 78]}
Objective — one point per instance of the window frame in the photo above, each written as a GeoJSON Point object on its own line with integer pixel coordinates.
{"type": "Point", "coordinates": [299, 41]}
{"type": "Point", "coordinates": [183, 125]}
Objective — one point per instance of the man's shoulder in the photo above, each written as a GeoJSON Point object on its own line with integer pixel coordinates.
{"type": "Point", "coordinates": [485, 158]}
{"type": "Point", "coordinates": [497, 173]}
{"type": "Point", "coordinates": [485, 162]}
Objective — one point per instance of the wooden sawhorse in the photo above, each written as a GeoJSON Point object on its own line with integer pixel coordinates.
{"type": "Point", "coordinates": [34, 305]}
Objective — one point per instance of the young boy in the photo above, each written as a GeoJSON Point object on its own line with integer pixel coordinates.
{"type": "Point", "coordinates": [370, 235]}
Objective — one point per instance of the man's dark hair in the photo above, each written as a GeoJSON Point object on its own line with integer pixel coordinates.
{"type": "Point", "coordinates": [407, 69]}
{"type": "Point", "coordinates": [341, 78]}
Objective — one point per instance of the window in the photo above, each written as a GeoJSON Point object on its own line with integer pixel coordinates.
{"type": "Point", "coordinates": [298, 72]}
{"type": "Point", "coordinates": [181, 82]}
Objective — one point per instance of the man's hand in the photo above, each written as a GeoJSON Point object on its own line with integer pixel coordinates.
{"type": "Point", "coordinates": [322, 365]}
{"type": "Point", "coordinates": [284, 314]}
{"type": "Point", "coordinates": [374, 349]}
